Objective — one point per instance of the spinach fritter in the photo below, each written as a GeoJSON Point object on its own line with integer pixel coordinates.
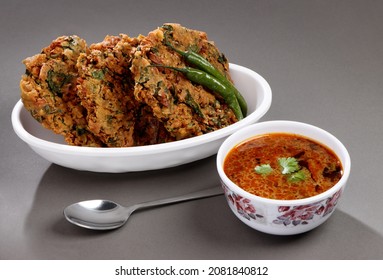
{"type": "Point", "coordinates": [48, 90]}
{"type": "Point", "coordinates": [113, 94]}
{"type": "Point", "coordinates": [186, 109]}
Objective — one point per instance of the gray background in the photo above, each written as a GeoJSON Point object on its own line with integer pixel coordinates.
{"type": "Point", "coordinates": [323, 60]}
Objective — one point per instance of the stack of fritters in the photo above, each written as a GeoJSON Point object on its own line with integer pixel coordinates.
{"type": "Point", "coordinates": [112, 93]}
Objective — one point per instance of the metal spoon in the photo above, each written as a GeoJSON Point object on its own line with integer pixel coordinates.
{"type": "Point", "coordinates": [105, 214]}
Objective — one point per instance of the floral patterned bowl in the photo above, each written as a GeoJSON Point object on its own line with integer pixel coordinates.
{"type": "Point", "coordinates": [283, 217]}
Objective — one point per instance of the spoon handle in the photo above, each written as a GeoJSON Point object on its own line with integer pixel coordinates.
{"type": "Point", "coordinates": [185, 197]}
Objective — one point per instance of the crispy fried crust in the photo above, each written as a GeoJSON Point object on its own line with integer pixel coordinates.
{"type": "Point", "coordinates": [48, 90]}
{"type": "Point", "coordinates": [105, 89]}
{"type": "Point", "coordinates": [106, 95]}
{"type": "Point", "coordinates": [186, 109]}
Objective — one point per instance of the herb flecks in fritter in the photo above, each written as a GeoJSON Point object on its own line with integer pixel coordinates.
{"type": "Point", "coordinates": [185, 108]}
{"type": "Point", "coordinates": [48, 90]}
{"type": "Point", "coordinates": [109, 94]}
{"type": "Point", "coordinates": [105, 90]}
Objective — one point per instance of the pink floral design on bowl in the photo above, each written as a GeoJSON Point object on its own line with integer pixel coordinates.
{"type": "Point", "coordinates": [299, 218]}
{"type": "Point", "coordinates": [243, 206]}
{"type": "Point", "coordinates": [302, 214]}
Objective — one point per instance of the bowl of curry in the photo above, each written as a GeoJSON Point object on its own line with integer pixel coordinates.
{"type": "Point", "coordinates": [283, 177]}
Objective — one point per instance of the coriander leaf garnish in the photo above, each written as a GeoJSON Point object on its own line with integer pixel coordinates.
{"type": "Point", "coordinates": [289, 165]}
{"type": "Point", "coordinates": [297, 176]}
{"type": "Point", "coordinates": [263, 169]}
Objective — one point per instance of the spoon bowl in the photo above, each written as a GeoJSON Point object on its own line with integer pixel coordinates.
{"type": "Point", "coordinates": [97, 214]}
{"type": "Point", "coordinates": [101, 214]}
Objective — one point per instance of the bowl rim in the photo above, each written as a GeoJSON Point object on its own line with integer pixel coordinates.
{"type": "Point", "coordinates": [43, 144]}
{"type": "Point", "coordinates": [229, 143]}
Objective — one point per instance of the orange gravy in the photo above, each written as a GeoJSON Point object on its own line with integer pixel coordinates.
{"type": "Point", "coordinates": [320, 167]}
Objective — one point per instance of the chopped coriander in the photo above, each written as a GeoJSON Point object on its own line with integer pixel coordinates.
{"type": "Point", "coordinates": [289, 165]}
{"type": "Point", "coordinates": [193, 104]}
{"type": "Point", "coordinates": [297, 176]}
{"type": "Point", "coordinates": [56, 81]}
{"type": "Point", "coordinates": [290, 168]}
{"type": "Point", "coordinates": [98, 74]}
{"type": "Point", "coordinates": [263, 169]}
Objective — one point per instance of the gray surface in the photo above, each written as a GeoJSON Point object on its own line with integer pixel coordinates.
{"type": "Point", "coordinates": [323, 60]}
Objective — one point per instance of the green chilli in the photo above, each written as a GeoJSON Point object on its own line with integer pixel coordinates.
{"type": "Point", "coordinates": [202, 63]}
{"type": "Point", "coordinates": [209, 81]}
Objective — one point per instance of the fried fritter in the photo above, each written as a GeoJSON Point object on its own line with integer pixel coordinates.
{"type": "Point", "coordinates": [48, 90]}
{"type": "Point", "coordinates": [148, 129]}
{"type": "Point", "coordinates": [106, 91]}
{"type": "Point", "coordinates": [186, 109]}
{"type": "Point", "coordinates": [114, 94]}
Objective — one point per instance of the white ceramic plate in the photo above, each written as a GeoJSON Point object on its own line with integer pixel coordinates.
{"type": "Point", "coordinates": [52, 147]}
